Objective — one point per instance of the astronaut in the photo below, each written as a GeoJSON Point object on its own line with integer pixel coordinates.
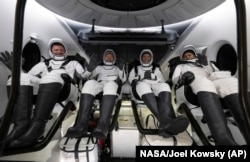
{"type": "Point", "coordinates": [210, 84]}
{"type": "Point", "coordinates": [47, 77]}
{"type": "Point", "coordinates": [106, 78]}
{"type": "Point", "coordinates": [148, 82]}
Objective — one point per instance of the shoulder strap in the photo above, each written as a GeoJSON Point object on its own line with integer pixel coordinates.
{"type": "Point", "coordinates": [46, 61]}
{"type": "Point", "coordinates": [136, 69]}
{"type": "Point", "coordinates": [62, 66]}
{"type": "Point", "coordinates": [134, 65]}
{"type": "Point", "coordinates": [65, 62]}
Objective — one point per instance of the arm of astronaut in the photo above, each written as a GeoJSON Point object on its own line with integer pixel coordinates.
{"type": "Point", "coordinates": [159, 76]}
{"type": "Point", "coordinates": [176, 75]}
{"type": "Point", "coordinates": [186, 78]}
{"type": "Point", "coordinates": [6, 59]}
{"type": "Point", "coordinates": [94, 73]}
{"type": "Point", "coordinates": [215, 68]}
{"type": "Point", "coordinates": [36, 72]}
{"type": "Point", "coordinates": [81, 73]}
{"type": "Point", "coordinates": [133, 77]}
{"type": "Point", "coordinates": [122, 75]}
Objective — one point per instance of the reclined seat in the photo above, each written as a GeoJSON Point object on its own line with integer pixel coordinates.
{"type": "Point", "coordinates": [87, 147]}
{"type": "Point", "coordinates": [147, 122]}
{"type": "Point", "coordinates": [186, 100]}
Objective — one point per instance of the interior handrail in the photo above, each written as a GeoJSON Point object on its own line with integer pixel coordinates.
{"type": "Point", "coordinates": [16, 67]}
{"type": "Point", "coordinates": [243, 65]}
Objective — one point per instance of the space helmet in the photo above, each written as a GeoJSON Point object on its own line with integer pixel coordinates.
{"type": "Point", "coordinates": [190, 48]}
{"type": "Point", "coordinates": [149, 52]}
{"type": "Point", "coordinates": [104, 54]}
{"type": "Point", "coordinates": [54, 41]}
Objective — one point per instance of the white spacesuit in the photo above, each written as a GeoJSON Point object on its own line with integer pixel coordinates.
{"type": "Point", "coordinates": [51, 77]}
{"type": "Point", "coordinates": [106, 78]}
{"type": "Point", "coordinates": [210, 84]}
{"type": "Point", "coordinates": [148, 82]}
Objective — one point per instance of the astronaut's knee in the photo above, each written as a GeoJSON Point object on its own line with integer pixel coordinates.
{"type": "Point", "coordinates": [24, 79]}
{"type": "Point", "coordinates": [164, 87]}
{"type": "Point", "coordinates": [52, 78]}
{"type": "Point", "coordinates": [203, 86]}
{"type": "Point", "coordinates": [91, 87]}
{"type": "Point", "coordinates": [110, 88]}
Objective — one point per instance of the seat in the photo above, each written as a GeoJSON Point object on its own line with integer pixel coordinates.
{"type": "Point", "coordinates": [96, 113]}
{"type": "Point", "coordinates": [116, 110]}
{"type": "Point", "coordinates": [138, 106]}
{"type": "Point", "coordinates": [51, 128]}
{"type": "Point", "coordinates": [88, 147]}
{"type": "Point", "coordinates": [148, 126]}
{"type": "Point", "coordinates": [141, 112]}
{"type": "Point", "coordinates": [187, 102]}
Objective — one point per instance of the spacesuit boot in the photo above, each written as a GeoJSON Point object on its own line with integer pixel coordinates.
{"type": "Point", "coordinates": [22, 113]}
{"type": "Point", "coordinates": [107, 105]}
{"type": "Point", "coordinates": [81, 125]}
{"type": "Point", "coordinates": [215, 118]}
{"type": "Point", "coordinates": [169, 123]}
{"type": "Point", "coordinates": [233, 104]}
{"type": "Point", "coordinates": [46, 100]}
{"type": "Point", "coordinates": [150, 101]}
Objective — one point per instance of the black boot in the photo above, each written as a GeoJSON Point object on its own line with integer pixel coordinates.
{"type": "Point", "coordinates": [22, 113]}
{"type": "Point", "coordinates": [215, 118]}
{"type": "Point", "coordinates": [107, 105]}
{"type": "Point", "coordinates": [81, 124]}
{"type": "Point", "coordinates": [233, 104]}
{"type": "Point", "coordinates": [150, 100]}
{"type": "Point", "coordinates": [46, 100]}
{"type": "Point", "coordinates": [169, 123]}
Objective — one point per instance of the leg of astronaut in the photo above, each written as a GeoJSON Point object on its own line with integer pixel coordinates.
{"type": "Point", "coordinates": [81, 125]}
{"type": "Point", "coordinates": [46, 100]}
{"type": "Point", "coordinates": [165, 101]}
{"type": "Point", "coordinates": [150, 100]}
{"type": "Point", "coordinates": [215, 118]}
{"type": "Point", "coordinates": [107, 105]}
{"type": "Point", "coordinates": [169, 123]}
{"type": "Point", "coordinates": [22, 113]}
{"type": "Point", "coordinates": [232, 102]}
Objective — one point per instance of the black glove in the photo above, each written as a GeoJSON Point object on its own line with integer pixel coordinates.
{"type": "Point", "coordinates": [92, 63]}
{"type": "Point", "coordinates": [118, 81]}
{"type": "Point", "coordinates": [6, 58]}
{"type": "Point", "coordinates": [186, 78]}
{"type": "Point", "coordinates": [147, 74]}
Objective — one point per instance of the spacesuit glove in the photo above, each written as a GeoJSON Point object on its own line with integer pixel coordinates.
{"type": "Point", "coordinates": [92, 63]}
{"type": "Point", "coordinates": [6, 58]}
{"type": "Point", "coordinates": [186, 78]}
{"type": "Point", "coordinates": [118, 81]}
{"type": "Point", "coordinates": [147, 74]}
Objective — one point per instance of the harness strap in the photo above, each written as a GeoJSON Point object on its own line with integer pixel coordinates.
{"type": "Point", "coordinates": [62, 66]}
